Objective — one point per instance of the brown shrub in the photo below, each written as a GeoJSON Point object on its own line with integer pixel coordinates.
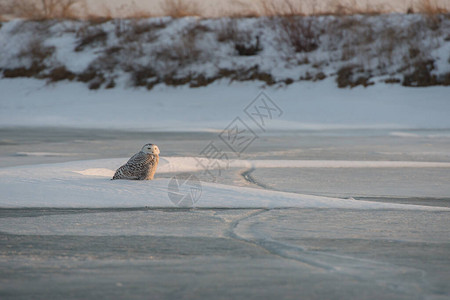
{"type": "Point", "coordinates": [36, 51]}
{"type": "Point", "coordinates": [91, 37]}
{"type": "Point", "coordinates": [320, 76]}
{"type": "Point", "coordinates": [60, 73]}
{"type": "Point", "coordinates": [93, 77]}
{"type": "Point", "coordinates": [392, 80]}
{"type": "Point", "coordinates": [444, 79]}
{"type": "Point", "coordinates": [141, 76]}
{"type": "Point", "coordinates": [227, 31]}
{"type": "Point", "coordinates": [421, 76]}
{"type": "Point", "coordinates": [244, 42]}
{"type": "Point", "coordinates": [90, 75]}
{"type": "Point", "coordinates": [246, 48]}
{"type": "Point", "coordinates": [289, 81]}
{"type": "Point", "coordinates": [299, 33]}
{"type": "Point", "coordinates": [96, 83]}
{"type": "Point", "coordinates": [149, 78]}
{"type": "Point", "coordinates": [32, 71]}
{"type": "Point", "coordinates": [346, 77]}
{"type": "Point", "coordinates": [307, 77]}
{"type": "Point", "coordinates": [174, 80]}
{"type": "Point", "coordinates": [111, 84]}
{"type": "Point", "coordinates": [202, 80]}
{"type": "Point", "coordinates": [247, 74]}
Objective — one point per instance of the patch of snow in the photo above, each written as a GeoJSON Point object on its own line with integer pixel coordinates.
{"type": "Point", "coordinates": [195, 164]}
{"type": "Point", "coordinates": [306, 105]}
{"type": "Point", "coordinates": [82, 184]}
{"type": "Point", "coordinates": [97, 172]}
{"type": "Point", "coordinates": [404, 134]}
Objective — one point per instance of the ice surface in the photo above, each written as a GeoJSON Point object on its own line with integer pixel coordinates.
{"type": "Point", "coordinates": [239, 243]}
{"type": "Point", "coordinates": [385, 182]}
{"type": "Point", "coordinates": [216, 253]}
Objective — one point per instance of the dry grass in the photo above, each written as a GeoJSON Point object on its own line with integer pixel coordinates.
{"type": "Point", "coordinates": [353, 7]}
{"type": "Point", "coordinates": [66, 9]}
{"type": "Point", "coordinates": [302, 8]}
{"type": "Point", "coordinates": [5, 10]}
{"type": "Point", "coordinates": [242, 9]}
{"type": "Point", "coordinates": [136, 12]}
{"type": "Point", "coordinates": [282, 8]}
{"type": "Point", "coordinates": [46, 9]}
{"type": "Point", "coordinates": [105, 14]}
{"type": "Point", "coordinates": [179, 8]}
{"type": "Point", "coordinates": [431, 7]}
{"type": "Point", "coordinates": [78, 9]}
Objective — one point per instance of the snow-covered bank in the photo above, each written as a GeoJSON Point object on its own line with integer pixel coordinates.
{"type": "Point", "coordinates": [305, 105]}
{"type": "Point", "coordinates": [353, 50]}
{"type": "Point", "coordinates": [87, 184]}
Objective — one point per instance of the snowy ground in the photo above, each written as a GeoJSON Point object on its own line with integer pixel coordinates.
{"type": "Point", "coordinates": [346, 195]}
{"type": "Point", "coordinates": [305, 106]}
{"type": "Point", "coordinates": [75, 184]}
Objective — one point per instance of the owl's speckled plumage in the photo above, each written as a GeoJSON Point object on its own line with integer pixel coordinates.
{"type": "Point", "coordinates": [141, 166]}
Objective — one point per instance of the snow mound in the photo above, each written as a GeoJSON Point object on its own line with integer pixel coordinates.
{"type": "Point", "coordinates": [96, 172]}
{"type": "Point", "coordinates": [194, 164]}
{"type": "Point", "coordinates": [86, 184]}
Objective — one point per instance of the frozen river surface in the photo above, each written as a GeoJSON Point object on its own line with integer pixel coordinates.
{"type": "Point", "coordinates": [239, 253]}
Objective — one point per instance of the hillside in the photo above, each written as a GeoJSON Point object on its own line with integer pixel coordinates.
{"type": "Point", "coordinates": [411, 50]}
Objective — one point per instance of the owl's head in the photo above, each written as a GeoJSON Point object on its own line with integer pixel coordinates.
{"type": "Point", "coordinates": [150, 149]}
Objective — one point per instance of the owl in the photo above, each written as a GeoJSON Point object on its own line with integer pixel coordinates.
{"type": "Point", "coordinates": [141, 166]}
